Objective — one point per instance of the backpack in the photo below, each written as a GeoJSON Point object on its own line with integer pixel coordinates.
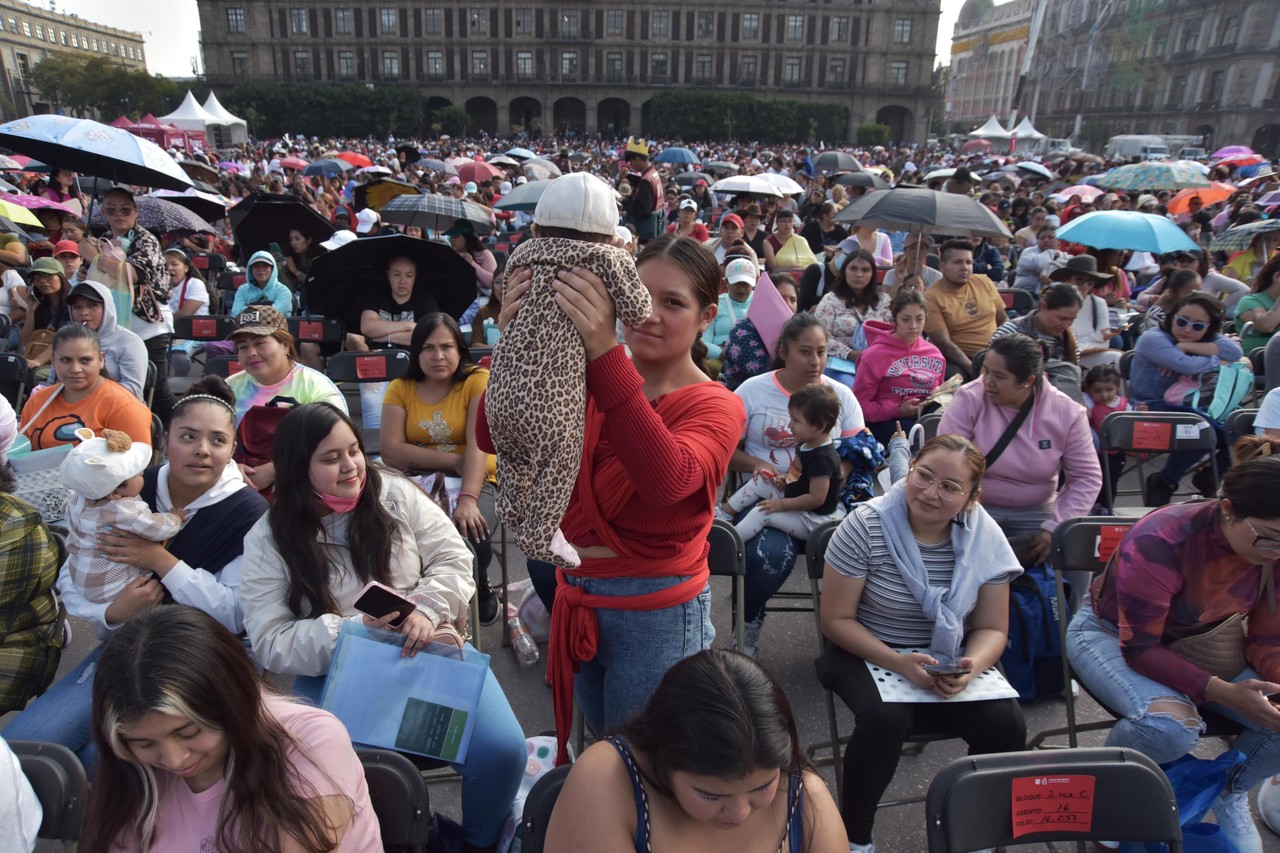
{"type": "Point", "coordinates": [1032, 659]}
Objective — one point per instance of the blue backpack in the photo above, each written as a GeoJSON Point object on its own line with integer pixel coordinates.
{"type": "Point", "coordinates": [1032, 659]}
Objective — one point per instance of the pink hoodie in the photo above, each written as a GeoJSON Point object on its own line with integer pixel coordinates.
{"type": "Point", "coordinates": [890, 372]}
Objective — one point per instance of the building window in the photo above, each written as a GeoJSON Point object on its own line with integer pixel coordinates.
{"type": "Point", "coordinates": [1230, 30]}
{"type": "Point", "coordinates": [747, 70]}
{"type": "Point", "coordinates": [751, 25]}
{"type": "Point", "coordinates": [569, 65]}
{"type": "Point", "coordinates": [524, 22]}
{"type": "Point", "coordinates": [239, 63]}
{"type": "Point", "coordinates": [897, 73]}
{"type": "Point", "coordinates": [795, 27]}
{"type": "Point", "coordinates": [902, 31]}
{"type": "Point", "coordinates": [13, 25]}
{"type": "Point", "coordinates": [435, 22]}
{"type": "Point", "coordinates": [298, 21]}
{"type": "Point", "coordinates": [388, 21]}
{"type": "Point", "coordinates": [702, 67]}
{"type": "Point", "coordinates": [342, 21]}
{"type": "Point", "coordinates": [139, 54]}
{"type": "Point", "coordinates": [131, 54]}
{"type": "Point", "coordinates": [479, 64]}
{"type": "Point", "coordinates": [391, 65]}
{"type": "Point", "coordinates": [235, 20]}
{"type": "Point", "coordinates": [706, 24]}
{"type": "Point", "coordinates": [62, 36]}
{"type": "Point", "coordinates": [835, 72]}
{"type": "Point", "coordinates": [613, 22]}
{"type": "Point", "coordinates": [613, 67]}
{"type": "Point", "coordinates": [346, 65]}
{"type": "Point", "coordinates": [435, 64]}
{"type": "Point", "coordinates": [53, 35]}
{"type": "Point", "coordinates": [524, 64]}
{"type": "Point", "coordinates": [40, 31]}
{"type": "Point", "coordinates": [839, 29]}
{"type": "Point", "coordinates": [658, 68]}
{"type": "Point", "coordinates": [479, 22]}
{"type": "Point", "coordinates": [791, 71]}
{"type": "Point", "coordinates": [660, 23]}
{"type": "Point", "coordinates": [95, 44]}
{"type": "Point", "coordinates": [75, 40]}
{"type": "Point", "coordinates": [1190, 34]}
{"type": "Point", "coordinates": [302, 64]}
{"type": "Point", "coordinates": [569, 24]}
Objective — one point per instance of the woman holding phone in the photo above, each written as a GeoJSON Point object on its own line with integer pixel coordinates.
{"type": "Point", "coordinates": [336, 524]}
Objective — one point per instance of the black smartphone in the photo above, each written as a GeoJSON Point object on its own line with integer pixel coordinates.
{"type": "Point", "coordinates": [376, 601]}
{"type": "Point", "coordinates": [945, 669]}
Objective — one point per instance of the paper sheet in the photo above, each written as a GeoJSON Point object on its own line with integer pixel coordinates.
{"type": "Point", "coordinates": [984, 686]}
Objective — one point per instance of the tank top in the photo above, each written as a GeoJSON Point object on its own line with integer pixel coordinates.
{"type": "Point", "coordinates": [792, 843]}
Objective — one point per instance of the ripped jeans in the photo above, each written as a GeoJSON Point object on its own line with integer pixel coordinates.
{"type": "Point", "coordinates": [771, 555]}
{"type": "Point", "coordinates": [1163, 735]}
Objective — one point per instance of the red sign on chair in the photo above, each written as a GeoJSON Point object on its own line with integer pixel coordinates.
{"type": "Point", "coordinates": [204, 327]}
{"type": "Point", "coordinates": [1151, 435]}
{"type": "Point", "coordinates": [1052, 804]}
{"type": "Point", "coordinates": [1008, 299]}
{"type": "Point", "coordinates": [371, 367]}
{"type": "Point", "coordinates": [310, 330]}
{"type": "Point", "coordinates": [1109, 536]}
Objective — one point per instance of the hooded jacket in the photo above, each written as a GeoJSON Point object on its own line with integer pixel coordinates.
{"type": "Point", "coordinates": [125, 353]}
{"type": "Point", "coordinates": [890, 372]}
{"type": "Point", "coordinates": [275, 293]}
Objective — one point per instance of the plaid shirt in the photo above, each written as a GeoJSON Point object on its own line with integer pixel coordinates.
{"type": "Point", "coordinates": [30, 615]}
{"type": "Point", "coordinates": [99, 578]}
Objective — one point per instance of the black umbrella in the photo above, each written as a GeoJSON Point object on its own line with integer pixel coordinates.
{"type": "Point", "coordinates": [688, 179]}
{"type": "Point", "coordinates": [830, 162]}
{"type": "Point", "coordinates": [331, 168]}
{"type": "Point", "coordinates": [264, 218]}
{"type": "Point", "coordinates": [921, 210]}
{"type": "Point", "coordinates": [866, 180]}
{"type": "Point", "coordinates": [341, 279]}
{"type": "Point", "coordinates": [207, 207]}
{"type": "Point", "coordinates": [436, 212]}
{"type": "Point", "coordinates": [159, 215]}
{"type": "Point", "coordinates": [198, 170]}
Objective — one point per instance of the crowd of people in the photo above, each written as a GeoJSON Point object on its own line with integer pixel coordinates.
{"type": "Point", "coordinates": [227, 530]}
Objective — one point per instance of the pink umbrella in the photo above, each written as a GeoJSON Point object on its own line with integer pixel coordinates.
{"type": "Point", "coordinates": [293, 163]}
{"type": "Point", "coordinates": [975, 146]}
{"type": "Point", "coordinates": [474, 171]}
{"type": "Point", "coordinates": [1242, 160]}
{"type": "Point", "coordinates": [1085, 191]}
{"type": "Point", "coordinates": [32, 202]}
{"type": "Point", "coordinates": [1232, 151]}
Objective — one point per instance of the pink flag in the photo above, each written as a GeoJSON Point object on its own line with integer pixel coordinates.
{"type": "Point", "coordinates": [768, 312]}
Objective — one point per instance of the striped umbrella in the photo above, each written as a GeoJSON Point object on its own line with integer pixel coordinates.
{"type": "Point", "coordinates": [1242, 236]}
{"type": "Point", "coordinates": [1146, 177]}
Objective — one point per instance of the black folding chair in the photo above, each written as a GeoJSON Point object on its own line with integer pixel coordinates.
{"type": "Point", "coordinates": [997, 800]}
{"type": "Point", "coordinates": [317, 330]}
{"type": "Point", "coordinates": [14, 374]}
{"type": "Point", "coordinates": [1016, 300]}
{"type": "Point", "coordinates": [213, 327]}
{"type": "Point", "coordinates": [728, 558]}
{"type": "Point", "coordinates": [1152, 432]}
{"type": "Point", "coordinates": [1239, 424]}
{"type": "Point", "coordinates": [223, 365]}
{"type": "Point", "coordinates": [60, 783]}
{"type": "Point", "coordinates": [149, 386]}
{"type": "Point", "coordinates": [377, 366]}
{"type": "Point", "coordinates": [1258, 360]}
{"type": "Point", "coordinates": [400, 800]}
{"type": "Point", "coordinates": [538, 807]}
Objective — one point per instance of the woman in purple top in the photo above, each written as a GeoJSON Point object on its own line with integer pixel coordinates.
{"type": "Point", "coordinates": [1179, 572]}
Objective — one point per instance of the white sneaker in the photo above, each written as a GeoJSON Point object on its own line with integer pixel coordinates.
{"type": "Point", "coordinates": [862, 848]}
{"type": "Point", "coordinates": [1236, 821]}
{"type": "Point", "coordinates": [750, 638]}
{"type": "Point", "coordinates": [722, 515]}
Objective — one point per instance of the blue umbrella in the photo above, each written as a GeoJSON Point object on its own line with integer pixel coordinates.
{"type": "Point", "coordinates": [521, 153]}
{"type": "Point", "coordinates": [329, 168]}
{"type": "Point", "coordinates": [1127, 229]}
{"type": "Point", "coordinates": [676, 154]}
{"type": "Point", "coordinates": [93, 148]}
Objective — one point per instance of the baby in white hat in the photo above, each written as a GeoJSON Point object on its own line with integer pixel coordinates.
{"type": "Point", "coordinates": [537, 397]}
{"type": "Point", "coordinates": [104, 474]}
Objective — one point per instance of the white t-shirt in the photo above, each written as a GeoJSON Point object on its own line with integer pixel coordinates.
{"type": "Point", "coordinates": [20, 812]}
{"type": "Point", "coordinates": [194, 290]}
{"type": "Point", "coordinates": [147, 330]}
{"type": "Point", "coordinates": [927, 273]}
{"type": "Point", "coordinates": [1268, 413]}
{"type": "Point", "coordinates": [768, 430]}
{"type": "Point", "coordinates": [8, 282]}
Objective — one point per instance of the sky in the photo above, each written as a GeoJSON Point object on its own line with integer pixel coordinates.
{"type": "Point", "coordinates": [172, 44]}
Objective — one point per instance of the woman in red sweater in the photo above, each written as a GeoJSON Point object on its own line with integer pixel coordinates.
{"type": "Point", "coordinates": [659, 435]}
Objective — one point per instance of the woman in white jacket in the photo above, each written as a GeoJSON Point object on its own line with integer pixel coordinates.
{"type": "Point", "coordinates": [337, 523]}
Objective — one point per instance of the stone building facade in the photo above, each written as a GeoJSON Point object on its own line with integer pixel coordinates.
{"type": "Point", "coordinates": [987, 48]}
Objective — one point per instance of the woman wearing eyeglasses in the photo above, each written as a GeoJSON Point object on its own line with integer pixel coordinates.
{"type": "Point", "coordinates": [1187, 344]}
{"type": "Point", "coordinates": [1179, 572]}
{"type": "Point", "coordinates": [885, 568]}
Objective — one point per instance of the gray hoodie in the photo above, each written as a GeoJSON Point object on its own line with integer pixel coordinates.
{"type": "Point", "coordinates": [125, 352]}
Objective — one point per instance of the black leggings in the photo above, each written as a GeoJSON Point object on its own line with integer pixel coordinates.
{"type": "Point", "coordinates": [871, 758]}
{"type": "Point", "coordinates": [158, 354]}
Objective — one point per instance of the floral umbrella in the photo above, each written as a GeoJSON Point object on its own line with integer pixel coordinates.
{"type": "Point", "coordinates": [1147, 177]}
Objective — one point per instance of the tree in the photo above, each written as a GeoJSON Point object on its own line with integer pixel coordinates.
{"type": "Point", "coordinates": [454, 121]}
{"type": "Point", "coordinates": [723, 115]}
{"type": "Point", "coordinates": [871, 134]}
{"type": "Point", "coordinates": [85, 85]}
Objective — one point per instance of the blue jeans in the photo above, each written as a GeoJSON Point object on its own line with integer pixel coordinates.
{"type": "Point", "coordinates": [636, 648]}
{"type": "Point", "coordinates": [1094, 652]}
{"type": "Point", "coordinates": [63, 714]}
{"type": "Point", "coordinates": [1178, 464]}
{"type": "Point", "coordinates": [770, 558]}
{"type": "Point", "coordinates": [495, 759]}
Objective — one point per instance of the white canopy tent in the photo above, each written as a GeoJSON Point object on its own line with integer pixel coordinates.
{"type": "Point", "coordinates": [189, 116]}
{"type": "Point", "coordinates": [991, 130]}
{"type": "Point", "coordinates": [227, 129]}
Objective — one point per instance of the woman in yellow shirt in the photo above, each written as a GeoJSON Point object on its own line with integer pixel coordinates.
{"type": "Point", "coordinates": [784, 249]}
{"type": "Point", "coordinates": [428, 427]}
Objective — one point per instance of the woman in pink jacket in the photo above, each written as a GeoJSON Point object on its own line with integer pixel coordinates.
{"type": "Point", "coordinates": [898, 368]}
{"type": "Point", "coordinates": [1020, 489]}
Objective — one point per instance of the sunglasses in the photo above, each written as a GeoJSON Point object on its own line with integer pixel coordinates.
{"type": "Point", "coordinates": [1194, 325]}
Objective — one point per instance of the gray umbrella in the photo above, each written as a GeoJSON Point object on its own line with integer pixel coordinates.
{"type": "Point", "coordinates": [920, 210]}
{"type": "Point", "coordinates": [538, 169]}
{"type": "Point", "coordinates": [866, 180]}
{"type": "Point", "coordinates": [437, 212]}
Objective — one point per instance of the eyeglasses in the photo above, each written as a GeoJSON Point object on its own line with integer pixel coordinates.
{"type": "Point", "coordinates": [1262, 543]}
{"type": "Point", "coordinates": [948, 490]}
{"type": "Point", "coordinates": [1194, 325]}
{"type": "Point", "coordinates": [116, 211]}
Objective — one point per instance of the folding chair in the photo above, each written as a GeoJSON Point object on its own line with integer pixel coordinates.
{"type": "Point", "coordinates": [14, 373]}
{"type": "Point", "coordinates": [1258, 361]}
{"type": "Point", "coordinates": [400, 799]}
{"type": "Point", "coordinates": [212, 327]}
{"type": "Point", "coordinates": [149, 385]}
{"type": "Point", "coordinates": [928, 428]}
{"type": "Point", "coordinates": [1239, 424]}
{"type": "Point", "coordinates": [984, 801]}
{"type": "Point", "coordinates": [538, 807]}
{"type": "Point", "coordinates": [359, 367]}
{"type": "Point", "coordinates": [728, 558]}
{"type": "Point", "coordinates": [6, 326]}
{"type": "Point", "coordinates": [1125, 366]}
{"type": "Point", "coordinates": [1152, 432]}
{"type": "Point", "coordinates": [61, 785]}
{"type": "Point", "coordinates": [1016, 300]}
{"type": "Point", "coordinates": [223, 366]}
{"type": "Point", "coordinates": [317, 330]}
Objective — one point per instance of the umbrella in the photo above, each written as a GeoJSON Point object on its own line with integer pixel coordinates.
{"type": "Point", "coordinates": [263, 218]}
{"type": "Point", "coordinates": [200, 171]}
{"type": "Point", "coordinates": [1232, 151]}
{"type": "Point", "coordinates": [688, 179]}
{"type": "Point", "coordinates": [577, 156]}
{"type": "Point", "coordinates": [921, 210]}
{"type": "Point", "coordinates": [341, 278]}
{"type": "Point", "coordinates": [8, 164]}
{"type": "Point", "coordinates": [373, 170]}
{"type": "Point", "coordinates": [1241, 237]}
{"type": "Point", "coordinates": [676, 154]}
{"type": "Point", "coordinates": [1243, 160]}
{"type": "Point", "coordinates": [159, 215]}
{"type": "Point", "coordinates": [939, 173]}
{"type": "Point", "coordinates": [436, 212]}
{"type": "Point", "coordinates": [521, 153]}
{"type": "Point", "coordinates": [1212, 194]}
{"type": "Point", "coordinates": [205, 205]}
{"type": "Point", "coordinates": [93, 148]}
{"type": "Point", "coordinates": [1269, 199]}
{"type": "Point", "coordinates": [783, 183]}
{"type": "Point", "coordinates": [538, 169]}
{"type": "Point", "coordinates": [431, 164]}
{"type": "Point", "coordinates": [1202, 168]}
{"type": "Point", "coordinates": [1034, 168]}
{"type": "Point", "coordinates": [720, 166]}
{"type": "Point", "coordinates": [830, 162]}
{"type": "Point", "coordinates": [504, 160]}
{"type": "Point", "coordinates": [34, 202]}
{"type": "Point", "coordinates": [228, 166]}
{"type": "Point", "coordinates": [975, 146]}
{"type": "Point", "coordinates": [868, 180]}
{"type": "Point", "coordinates": [746, 184]}
{"type": "Point", "coordinates": [1086, 193]}
{"type": "Point", "coordinates": [293, 163]}
{"type": "Point", "coordinates": [1127, 229]}
{"type": "Point", "coordinates": [19, 214]}
{"type": "Point", "coordinates": [1006, 179]}
{"type": "Point", "coordinates": [1145, 177]}
{"type": "Point", "coordinates": [354, 158]}
{"type": "Point", "coordinates": [382, 190]}
{"type": "Point", "coordinates": [8, 226]}
{"type": "Point", "coordinates": [328, 168]}
{"type": "Point", "coordinates": [7, 187]}
{"type": "Point", "coordinates": [523, 197]}
{"type": "Point", "coordinates": [474, 170]}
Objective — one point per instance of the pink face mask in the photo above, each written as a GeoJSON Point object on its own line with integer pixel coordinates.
{"type": "Point", "coordinates": [337, 504]}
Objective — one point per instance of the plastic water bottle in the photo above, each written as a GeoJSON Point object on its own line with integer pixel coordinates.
{"type": "Point", "coordinates": [525, 649]}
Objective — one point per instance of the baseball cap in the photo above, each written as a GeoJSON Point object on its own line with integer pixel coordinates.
{"type": "Point", "coordinates": [740, 271]}
{"type": "Point", "coordinates": [731, 219]}
{"type": "Point", "coordinates": [82, 290]}
{"type": "Point", "coordinates": [259, 320]}
{"type": "Point", "coordinates": [688, 204]}
{"type": "Point", "coordinates": [580, 202]}
{"type": "Point", "coordinates": [700, 183]}
{"type": "Point", "coordinates": [521, 179]}
{"type": "Point", "coordinates": [339, 239]}
{"type": "Point", "coordinates": [367, 220]}
{"type": "Point", "coordinates": [66, 247]}
{"type": "Point", "coordinates": [470, 188]}
{"type": "Point", "coordinates": [47, 266]}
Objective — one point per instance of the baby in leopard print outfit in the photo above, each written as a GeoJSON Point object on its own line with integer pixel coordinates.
{"type": "Point", "coordinates": [537, 395]}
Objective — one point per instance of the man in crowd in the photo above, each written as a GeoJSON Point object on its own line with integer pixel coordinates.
{"type": "Point", "coordinates": [964, 309]}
